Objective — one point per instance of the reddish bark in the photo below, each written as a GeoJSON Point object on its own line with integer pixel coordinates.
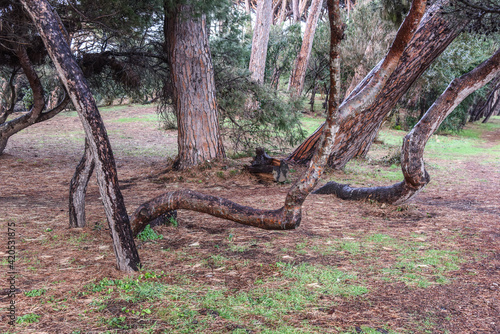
{"type": "Point", "coordinates": [290, 215]}
{"type": "Point", "coordinates": [195, 103]}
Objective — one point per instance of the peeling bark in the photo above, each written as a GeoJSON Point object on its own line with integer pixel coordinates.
{"type": "Point", "coordinates": [78, 188]}
{"type": "Point", "coordinates": [412, 154]}
{"type": "Point", "coordinates": [47, 24]}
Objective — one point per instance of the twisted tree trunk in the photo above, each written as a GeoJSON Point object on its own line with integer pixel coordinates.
{"type": "Point", "coordinates": [47, 24]}
{"type": "Point", "coordinates": [36, 114]}
{"type": "Point", "coordinates": [412, 154]}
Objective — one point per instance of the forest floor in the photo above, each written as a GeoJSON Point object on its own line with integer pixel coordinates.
{"type": "Point", "coordinates": [431, 266]}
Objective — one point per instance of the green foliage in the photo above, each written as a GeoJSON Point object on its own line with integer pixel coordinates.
{"type": "Point", "coordinates": [28, 98]}
{"type": "Point", "coordinates": [283, 46]}
{"type": "Point", "coordinates": [148, 234]}
{"type": "Point", "coordinates": [251, 115]}
{"type": "Point", "coordinates": [462, 56]}
{"type": "Point", "coordinates": [35, 293]}
{"type": "Point", "coordinates": [29, 318]}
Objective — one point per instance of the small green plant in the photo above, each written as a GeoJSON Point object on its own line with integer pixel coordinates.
{"type": "Point", "coordinates": [117, 322]}
{"type": "Point", "coordinates": [148, 234]}
{"type": "Point", "coordinates": [35, 293]}
{"type": "Point", "coordinates": [29, 318]}
{"type": "Point", "coordinates": [172, 221]}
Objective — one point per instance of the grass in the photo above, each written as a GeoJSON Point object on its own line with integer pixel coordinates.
{"type": "Point", "coordinates": [187, 306]}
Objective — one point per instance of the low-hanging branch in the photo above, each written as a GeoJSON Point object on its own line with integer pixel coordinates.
{"type": "Point", "coordinates": [289, 216]}
{"type": "Point", "coordinates": [36, 114]}
{"type": "Point", "coordinates": [412, 161]}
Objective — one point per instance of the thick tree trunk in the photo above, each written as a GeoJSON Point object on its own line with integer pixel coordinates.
{"type": "Point", "coordinates": [260, 40]}
{"type": "Point", "coordinates": [435, 33]}
{"type": "Point", "coordinates": [412, 153]}
{"type": "Point", "coordinates": [47, 24]}
{"type": "Point", "coordinates": [78, 188]}
{"type": "Point", "coordinates": [298, 76]}
{"type": "Point", "coordinates": [195, 103]}
{"type": "Point", "coordinates": [290, 215]}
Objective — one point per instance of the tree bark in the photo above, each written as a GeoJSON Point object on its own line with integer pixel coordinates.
{"type": "Point", "coordinates": [260, 40]}
{"type": "Point", "coordinates": [47, 24]}
{"type": "Point", "coordinates": [435, 32]}
{"type": "Point", "coordinates": [290, 215]}
{"type": "Point", "coordinates": [192, 73]}
{"type": "Point", "coordinates": [298, 76]}
{"type": "Point", "coordinates": [412, 153]}
{"type": "Point", "coordinates": [78, 188]}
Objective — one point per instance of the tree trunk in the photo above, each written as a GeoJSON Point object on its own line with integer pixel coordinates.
{"type": "Point", "coordinates": [195, 103]}
{"type": "Point", "coordinates": [298, 76]}
{"type": "Point", "coordinates": [435, 33]}
{"type": "Point", "coordinates": [260, 40]}
{"type": "Point", "coordinates": [412, 153]}
{"type": "Point", "coordinates": [295, 11]}
{"type": "Point", "coordinates": [47, 24]}
{"type": "Point", "coordinates": [78, 188]}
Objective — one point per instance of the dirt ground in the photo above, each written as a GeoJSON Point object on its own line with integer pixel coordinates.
{"type": "Point", "coordinates": [459, 210]}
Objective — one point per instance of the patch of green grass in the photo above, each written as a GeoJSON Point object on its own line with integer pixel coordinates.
{"type": "Point", "coordinates": [368, 330]}
{"type": "Point", "coordinates": [29, 318]}
{"type": "Point", "coordinates": [35, 292]}
{"type": "Point", "coordinates": [148, 234]}
{"type": "Point", "coordinates": [310, 124]}
{"type": "Point", "coordinates": [422, 268]}
{"type": "Point", "coordinates": [138, 119]}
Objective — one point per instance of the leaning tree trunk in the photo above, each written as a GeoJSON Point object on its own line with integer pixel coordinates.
{"type": "Point", "coordinates": [260, 40]}
{"type": "Point", "coordinates": [195, 103]}
{"type": "Point", "coordinates": [78, 188]}
{"type": "Point", "coordinates": [298, 76]}
{"type": "Point", "coordinates": [47, 24]}
{"type": "Point", "coordinates": [435, 33]}
{"type": "Point", "coordinates": [412, 152]}
{"type": "Point", "coordinates": [290, 215]}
